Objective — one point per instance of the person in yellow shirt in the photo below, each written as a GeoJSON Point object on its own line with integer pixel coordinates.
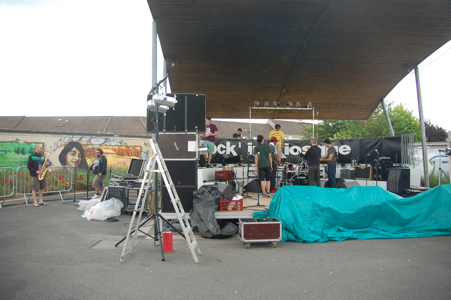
{"type": "Point", "coordinates": [277, 133]}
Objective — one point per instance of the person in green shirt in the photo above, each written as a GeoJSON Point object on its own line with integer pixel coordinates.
{"type": "Point", "coordinates": [263, 165]}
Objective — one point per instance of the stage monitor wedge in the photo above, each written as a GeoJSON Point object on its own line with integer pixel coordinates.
{"type": "Point", "coordinates": [187, 115]}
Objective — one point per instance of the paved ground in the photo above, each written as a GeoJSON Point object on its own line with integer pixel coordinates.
{"type": "Point", "coordinates": [52, 253]}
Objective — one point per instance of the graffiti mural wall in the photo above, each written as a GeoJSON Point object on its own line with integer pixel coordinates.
{"type": "Point", "coordinates": [435, 160]}
{"type": "Point", "coordinates": [75, 151]}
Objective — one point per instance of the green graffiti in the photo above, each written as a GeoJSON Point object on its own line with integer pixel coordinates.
{"type": "Point", "coordinates": [15, 154]}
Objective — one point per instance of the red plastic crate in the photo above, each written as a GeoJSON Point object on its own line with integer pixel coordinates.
{"type": "Point", "coordinates": [229, 205]}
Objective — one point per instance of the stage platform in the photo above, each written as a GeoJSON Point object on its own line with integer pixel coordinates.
{"type": "Point", "coordinates": [249, 209]}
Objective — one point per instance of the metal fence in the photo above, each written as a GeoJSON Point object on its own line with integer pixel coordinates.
{"type": "Point", "coordinates": [58, 180]}
{"type": "Point", "coordinates": [6, 184]}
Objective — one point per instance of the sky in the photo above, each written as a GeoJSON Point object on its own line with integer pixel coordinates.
{"type": "Point", "coordinates": [93, 58]}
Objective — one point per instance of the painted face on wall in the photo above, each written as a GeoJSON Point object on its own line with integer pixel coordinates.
{"type": "Point", "coordinates": [73, 157]}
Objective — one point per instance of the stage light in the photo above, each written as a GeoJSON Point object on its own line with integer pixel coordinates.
{"type": "Point", "coordinates": [276, 104]}
{"type": "Point", "coordinates": [288, 104]}
{"type": "Point", "coordinates": [153, 107]}
{"type": "Point", "coordinates": [309, 105]}
{"type": "Point", "coordinates": [164, 100]}
{"type": "Point", "coordinates": [266, 103]}
{"type": "Point", "coordinates": [298, 104]}
{"type": "Point", "coordinates": [256, 103]}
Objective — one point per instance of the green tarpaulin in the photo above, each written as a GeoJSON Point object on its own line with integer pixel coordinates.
{"type": "Point", "coordinates": [313, 214]}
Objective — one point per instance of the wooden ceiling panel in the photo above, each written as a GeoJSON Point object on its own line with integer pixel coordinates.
{"type": "Point", "coordinates": [342, 56]}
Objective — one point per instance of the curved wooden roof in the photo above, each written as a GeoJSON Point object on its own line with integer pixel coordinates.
{"type": "Point", "coordinates": [342, 56]}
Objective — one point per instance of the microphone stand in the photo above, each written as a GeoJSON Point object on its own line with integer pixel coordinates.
{"type": "Point", "coordinates": [366, 177]}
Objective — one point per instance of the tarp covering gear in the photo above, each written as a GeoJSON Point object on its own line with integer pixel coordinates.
{"type": "Point", "coordinates": [313, 214]}
{"type": "Point", "coordinates": [205, 203]}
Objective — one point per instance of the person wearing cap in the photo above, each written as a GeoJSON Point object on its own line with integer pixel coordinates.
{"type": "Point", "coordinates": [277, 133]}
{"type": "Point", "coordinates": [277, 158]}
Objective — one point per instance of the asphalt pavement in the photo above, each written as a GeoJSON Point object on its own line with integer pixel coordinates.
{"type": "Point", "coordinates": [51, 252]}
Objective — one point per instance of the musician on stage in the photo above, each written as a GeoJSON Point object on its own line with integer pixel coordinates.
{"type": "Point", "coordinates": [36, 162]}
{"type": "Point", "coordinates": [331, 158]}
{"type": "Point", "coordinates": [275, 159]}
{"type": "Point", "coordinates": [237, 134]}
{"type": "Point", "coordinates": [278, 134]}
{"type": "Point", "coordinates": [313, 154]}
{"type": "Point", "coordinates": [263, 165]}
{"type": "Point", "coordinates": [292, 168]}
{"type": "Point", "coordinates": [211, 131]}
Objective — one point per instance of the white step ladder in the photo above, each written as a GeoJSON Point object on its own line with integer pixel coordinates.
{"type": "Point", "coordinates": [156, 164]}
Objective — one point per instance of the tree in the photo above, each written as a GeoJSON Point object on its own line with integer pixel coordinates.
{"type": "Point", "coordinates": [434, 133]}
{"type": "Point", "coordinates": [403, 122]}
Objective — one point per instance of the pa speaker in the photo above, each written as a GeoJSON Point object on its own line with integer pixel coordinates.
{"type": "Point", "coordinates": [253, 187]}
{"type": "Point", "coordinates": [176, 145]}
{"type": "Point", "coordinates": [226, 190]}
{"type": "Point", "coordinates": [183, 172]}
{"type": "Point", "coordinates": [398, 180]}
{"type": "Point", "coordinates": [186, 195]}
{"type": "Point", "coordinates": [343, 184]}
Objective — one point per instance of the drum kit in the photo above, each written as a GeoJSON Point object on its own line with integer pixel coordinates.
{"type": "Point", "coordinates": [296, 176]}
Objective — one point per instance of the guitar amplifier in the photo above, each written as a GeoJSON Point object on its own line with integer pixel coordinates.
{"type": "Point", "coordinates": [363, 172]}
{"type": "Point", "coordinates": [223, 175]}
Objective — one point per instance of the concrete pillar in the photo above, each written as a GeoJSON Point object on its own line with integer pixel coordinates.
{"type": "Point", "coordinates": [422, 127]}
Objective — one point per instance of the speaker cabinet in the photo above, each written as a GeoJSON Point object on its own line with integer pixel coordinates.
{"type": "Point", "coordinates": [183, 172]}
{"type": "Point", "coordinates": [363, 172]}
{"type": "Point", "coordinates": [226, 190]}
{"type": "Point", "coordinates": [177, 145]}
{"type": "Point", "coordinates": [188, 114]}
{"type": "Point", "coordinates": [186, 195]}
{"type": "Point", "coordinates": [398, 180]}
{"type": "Point", "coordinates": [347, 173]}
{"type": "Point", "coordinates": [343, 184]}
{"type": "Point", "coordinates": [184, 177]}
{"type": "Point", "coordinates": [253, 186]}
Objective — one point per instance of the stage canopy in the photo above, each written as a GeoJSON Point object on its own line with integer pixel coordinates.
{"type": "Point", "coordinates": [313, 214]}
{"type": "Point", "coordinates": [342, 56]}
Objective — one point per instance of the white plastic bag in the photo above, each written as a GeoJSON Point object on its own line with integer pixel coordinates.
{"type": "Point", "coordinates": [104, 210]}
{"type": "Point", "coordinates": [87, 204]}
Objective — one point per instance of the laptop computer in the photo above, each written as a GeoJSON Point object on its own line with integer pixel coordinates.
{"type": "Point", "coordinates": [134, 170]}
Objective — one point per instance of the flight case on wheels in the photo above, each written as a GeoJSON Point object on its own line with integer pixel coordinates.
{"type": "Point", "coordinates": [260, 231]}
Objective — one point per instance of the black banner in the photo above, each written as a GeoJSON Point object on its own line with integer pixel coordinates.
{"type": "Point", "coordinates": [229, 151]}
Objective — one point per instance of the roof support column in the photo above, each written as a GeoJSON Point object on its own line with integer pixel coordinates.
{"type": "Point", "coordinates": [387, 117]}
{"type": "Point", "coordinates": [423, 131]}
{"type": "Point", "coordinates": [154, 53]}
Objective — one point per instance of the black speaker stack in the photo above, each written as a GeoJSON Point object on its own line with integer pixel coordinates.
{"type": "Point", "coordinates": [188, 114]}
